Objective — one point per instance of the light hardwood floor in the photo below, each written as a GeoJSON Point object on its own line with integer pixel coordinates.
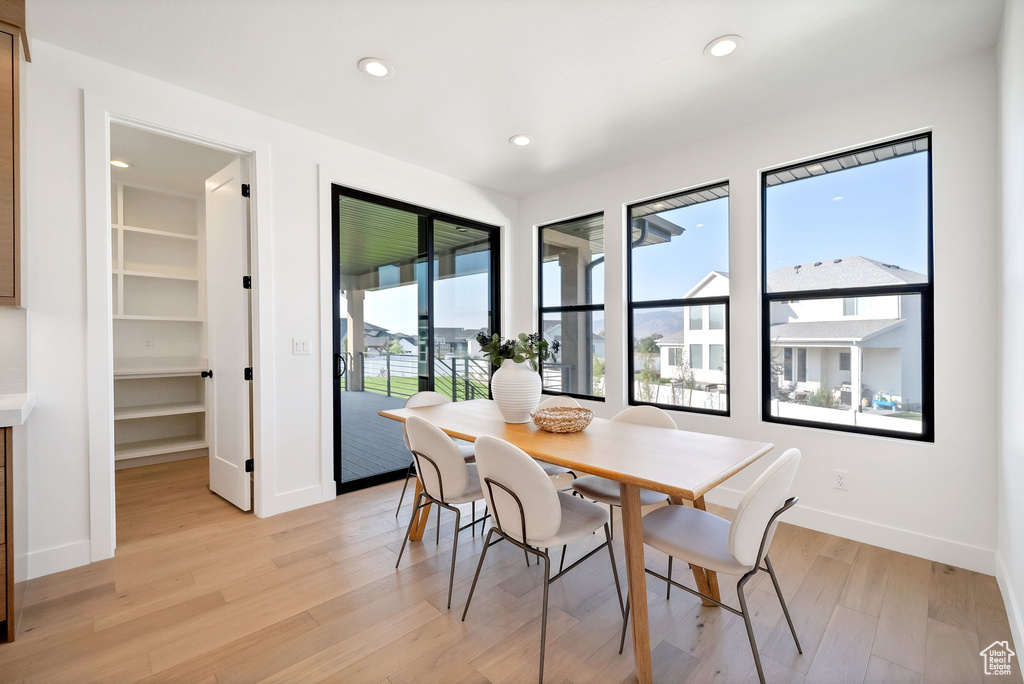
{"type": "Point", "coordinates": [200, 592]}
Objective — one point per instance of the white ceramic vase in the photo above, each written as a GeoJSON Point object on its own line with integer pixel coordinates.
{"type": "Point", "coordinates": [516, 390]}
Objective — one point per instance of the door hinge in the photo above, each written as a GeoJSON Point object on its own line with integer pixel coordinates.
{"type": "Point", "coordinates": [245, 189]}
{"type": "Point", "coordinates": [207, 374]}
{"type": "Point", "coordinates": [247, 282]}
{"type": "Point", "coordinates": [248, 465]}
{"type": "Point", "coordinates": [247, 373]}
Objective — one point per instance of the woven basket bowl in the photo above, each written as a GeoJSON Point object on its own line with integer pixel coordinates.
{"type": "Point", "coordinates": [562, 418]}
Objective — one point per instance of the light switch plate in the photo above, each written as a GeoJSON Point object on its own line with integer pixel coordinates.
{"type": "Point", "coordinates": [300, 346]}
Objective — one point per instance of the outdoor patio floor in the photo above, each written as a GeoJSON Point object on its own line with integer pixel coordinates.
{"type": "Point", "coordinates": [370, 445]}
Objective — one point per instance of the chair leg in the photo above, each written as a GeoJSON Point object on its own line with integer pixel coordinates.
{"type": "Point", "coordinates": [615, 569]}
{"type": "Point", "coordinates": [668, 592]}
{"type": "Point", "coordinates": [472, 513]}
{"type": "Point", "coordinates": [561, 564]}
{"type": "Point", "coordinates": [611, 520]}
{"type": "Point", "coordinates": [405, 486]}
{"type": "Point", "coordinates": [785, 609]}
{"type": "Point", "coordinates": [750, 627]}
{"type": "Point", "coordinates": [544, 616]}
{"type": "Point", "coordinates": [455, 550]}
{"type": "Point", "coordinates": [625, 622]}
{"type": "Point", "coordinates": [476, 576]}
{"type": "Point", "coordinates": [412, 521]}
{"type": "Point", "coordinates": [437, 528]}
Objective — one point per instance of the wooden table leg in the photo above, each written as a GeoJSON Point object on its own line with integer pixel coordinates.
{"type": "Point", "coordinates": [633, 536]}
{"type": "Point", "coordinates": [709, 577]}
{"type": "Point", "coordinates": [417, 530]}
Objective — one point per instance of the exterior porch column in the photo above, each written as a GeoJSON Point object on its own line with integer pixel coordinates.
{"type": "Point", "coordinates": [356, 339]}
{"type": "Point", "coordinates": [855, 377]}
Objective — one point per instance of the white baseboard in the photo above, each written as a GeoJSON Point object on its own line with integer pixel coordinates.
{"type": "Point", "coordinates": [297, 498]}
{"type": "Point", "coordinates": [1013, 612]}
{"type": "Point", "coordinates": [912, 543]}
{"type": "Point", "coordinates": [49, 561]}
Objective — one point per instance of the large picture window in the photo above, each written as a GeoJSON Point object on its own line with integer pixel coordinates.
{"type": "Point", "coordinates": [678, 277]}
{"type": "Point", "coordinates": [847, 291]}
{"type": "Point", "coordinates": [571, 281]}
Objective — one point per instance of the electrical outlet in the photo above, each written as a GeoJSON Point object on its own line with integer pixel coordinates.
{"type": "Point", "coordinates": [842, 480]}
{"type": "Point", "coordinates": [300, 346]}
{"type": "Point", "coordinates": [148, 344]}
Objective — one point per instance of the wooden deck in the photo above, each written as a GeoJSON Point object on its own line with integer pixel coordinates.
{"type": "Point", "coordinates": [200, 592]}
{"type": "Point", "coordinates": [370, 445]}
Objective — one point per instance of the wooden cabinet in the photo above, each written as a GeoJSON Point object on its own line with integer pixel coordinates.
{"type": "Point", "coordinates": [10, 267]}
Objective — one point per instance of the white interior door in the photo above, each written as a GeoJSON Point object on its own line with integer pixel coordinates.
{"type": "Point", "coordinates": [227, 261]}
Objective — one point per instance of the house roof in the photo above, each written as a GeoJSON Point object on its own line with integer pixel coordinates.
{"type": "Point", "coordinates": [855, 271]}
{"type": "Point", "coordinates": [831, 331]}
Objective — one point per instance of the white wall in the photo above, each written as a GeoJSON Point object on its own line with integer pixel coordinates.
{"type": "Point", "coordinates": [1010, 571]}
{"type": "Point", "coordinates": [932, 500]}
{"type": "Point", "coordinates": [55, 234]}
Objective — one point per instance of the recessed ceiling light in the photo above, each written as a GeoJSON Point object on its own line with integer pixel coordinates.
{"type": "Point", "coordinates": [375, 67]}
{"type": "Point", "coordinates": [723, 46]}
{"type": "Point", "coordinates": [520, 140]}
{"type": "Point", "coordinates": [120, 164]}
{"type": "Point", "coordinates": [837, 198]}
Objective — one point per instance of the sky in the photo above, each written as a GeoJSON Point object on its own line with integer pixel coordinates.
{"type": "Point", "coordinates": [877, 210]}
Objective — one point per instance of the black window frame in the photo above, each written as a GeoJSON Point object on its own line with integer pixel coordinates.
{"type": "Point", "coordinates": [633, 306]}
{"type": "Point", "coordinates": [572, 308]}
{"type": "Point", "coordinates": [925, 291]}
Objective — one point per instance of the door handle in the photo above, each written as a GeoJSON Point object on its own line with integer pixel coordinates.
{"type": "Point", "coordinates": [341, 365]}
{"type": "Point", "coordinates": [207, 374]}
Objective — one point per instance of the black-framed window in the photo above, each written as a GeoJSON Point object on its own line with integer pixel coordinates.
{"type": "Point", "coordinates": [678, 278]}
{"type": "Point", "coordinates": [847, 281]}
{"type": "Point", "coordinates": [571, 285]}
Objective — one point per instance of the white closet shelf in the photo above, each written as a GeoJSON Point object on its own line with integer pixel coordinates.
{"type": "Point", "coordinates": [156, 410]}
{"type": "Point", "coordinates": [159, 368]}
{"type": "Point", "coordinates": [172, 318]}
{"type": "Point", "coordinates": [152, 447]}
{"type": "Point", "coordinates": [157, 274]}
{"type": "Point", "coordinates": [153, 231]}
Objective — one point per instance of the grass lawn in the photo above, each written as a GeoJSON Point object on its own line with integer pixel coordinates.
{"type": "Point", "coordinates": [406, 387]}
{"type": "Point", "coordinates": [907, 415]}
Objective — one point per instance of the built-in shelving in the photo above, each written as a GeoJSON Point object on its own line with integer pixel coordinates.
{"type": "Point", "coordinates": [154, 447]}
{"type": "Point", "coordinates": [158, 310]}
{"type": "Point", "coordinates": [157, 410]}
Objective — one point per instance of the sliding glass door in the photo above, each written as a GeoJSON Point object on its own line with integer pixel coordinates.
{"type": "Point", "coordinates": [413, 289]}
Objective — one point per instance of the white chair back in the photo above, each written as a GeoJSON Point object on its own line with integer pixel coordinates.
{"type": "Point", "coordinates": [422, 399]}
{"type": "Point", "coordinates": [646, 415]}
{"type": "Point", "coordinates": [429, 440]}
{"type": "Point", "coordinates": [767, 495]}
{"type": "Point", "coordinates": [556, 401]}
{"type": "Point", "coordinates": [509, 465]}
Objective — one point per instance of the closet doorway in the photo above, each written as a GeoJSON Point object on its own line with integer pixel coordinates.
{"type": "Point", "coordinates": [181, 315]}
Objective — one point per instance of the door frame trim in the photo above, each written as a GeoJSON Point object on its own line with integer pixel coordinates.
{"type": "Point", "coordinates": [100, 111]}
{"type": "Point", "coordinates": [329, 176]}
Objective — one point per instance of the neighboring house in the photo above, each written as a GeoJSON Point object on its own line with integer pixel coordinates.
{"type": "Point", "coordinates": [861, 346]}
{"type": "Point", "coordinates": [701, 342]}
{"type": "Point", "coordinates": [456, 341]}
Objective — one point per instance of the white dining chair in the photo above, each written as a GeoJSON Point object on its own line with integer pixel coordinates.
{"type": "Point", "coordinates": [529, 513]}
{"type": "Point", "coordinates": [417, 400]}
{"type": "Point", "coordinates": [555, 402]}
{"type": "Point", "coordinates": [737, 548]}
{"type": "Point", "coordinates": [446, 480]}
{"type": "Point", "coordinates": [606, 491]}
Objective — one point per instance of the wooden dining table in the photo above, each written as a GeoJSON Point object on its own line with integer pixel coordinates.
{"type": "Point", "coordinates": [684, 465]}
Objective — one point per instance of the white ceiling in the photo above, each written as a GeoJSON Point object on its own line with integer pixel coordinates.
{"type": "Point", "coordinates": [159, 161]}
{"type": "Point", "coordinates": [597, 83]}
